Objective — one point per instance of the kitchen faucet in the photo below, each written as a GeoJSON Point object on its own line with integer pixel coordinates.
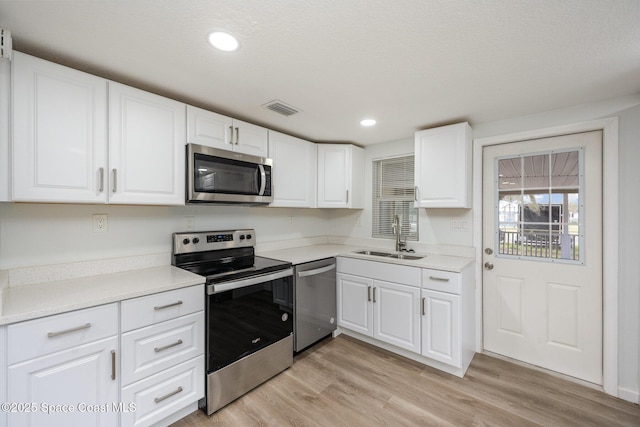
{"type": "Point", "coordinates": [396, 226]}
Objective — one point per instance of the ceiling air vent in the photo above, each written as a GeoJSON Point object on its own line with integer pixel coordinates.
{"type": "Point", "coordinates": [282, 108]}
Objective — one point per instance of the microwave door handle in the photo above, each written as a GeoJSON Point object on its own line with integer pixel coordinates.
{"type": "Point", "coordinates": [263, 180]}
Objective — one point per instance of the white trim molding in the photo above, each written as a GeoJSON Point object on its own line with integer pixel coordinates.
{"type": "Point", "coordinates": [610, 208]}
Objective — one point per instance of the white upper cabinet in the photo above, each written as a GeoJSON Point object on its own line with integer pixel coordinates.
{"type": "Point", "coordinates": [80, 139]}
{"type": "Point", "coordinates": [443, 167]}
{"type": "Point", "coordinates": [218, 131]}
{"type": "Point", "coordinates": [146, 147]}
{"type": "Point", "coordinates": [294, 171]}
{"type": "Point", "coordinates": [340, 176]}
{"type": "Point", "coordinates": [5, 136]}
{"type": "Point", "coordinates": [59, 133]}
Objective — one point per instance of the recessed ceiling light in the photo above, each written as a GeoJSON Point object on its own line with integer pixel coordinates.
{"type": "Point", "coordinates": [223, 41]}
{"type": "Point", "coordinates": [368, 122]}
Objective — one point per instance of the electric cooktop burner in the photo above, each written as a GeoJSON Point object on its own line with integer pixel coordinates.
{"type": "Point", "coordinates": [221, 256]}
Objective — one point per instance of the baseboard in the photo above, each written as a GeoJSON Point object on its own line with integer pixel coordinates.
{"type": "Point", "coordinates": [629, 395]}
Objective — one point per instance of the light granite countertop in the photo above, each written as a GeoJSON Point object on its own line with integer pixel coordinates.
{"type": "Point", "coordinates": [304, 254]}
{"type": "Point", "coordinates": [30, 301]}
{"type": "Point", "coordinates": [26, 302]}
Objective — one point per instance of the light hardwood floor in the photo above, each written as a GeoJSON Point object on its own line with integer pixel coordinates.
{"type": "Point", "coordinates": [344, 382]}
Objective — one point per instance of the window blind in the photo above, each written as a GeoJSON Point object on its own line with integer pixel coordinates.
{"type": "Point", "coordinates": [393, 194]}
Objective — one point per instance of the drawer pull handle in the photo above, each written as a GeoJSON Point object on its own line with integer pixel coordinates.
{"type": "Point", "coordinates": [113, 364]}
{"type": "Point", "coordinates": [168, 395]}
{"type": "Point", "coordinates": [441, 279]}
{"type": "Point", "coordinates": [168, 346]}
{"type": "Point", "coordinates": [162, 307]}
{"type": "Point", "coordinates": [68, 331]}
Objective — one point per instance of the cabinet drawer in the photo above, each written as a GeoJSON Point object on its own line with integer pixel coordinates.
{"type": "Point", "coordinates": [152, 349]}
{"type": "Point", "coordinates": [163, 394]}
{"type": "Point", "coordinates": [147, 310]}
{"type": "Point", "coordinates": [46, 335]}
{"type": "Point", "coordinates": [444, 281]}
{"type": "Point", "coordinates": [384, 271]}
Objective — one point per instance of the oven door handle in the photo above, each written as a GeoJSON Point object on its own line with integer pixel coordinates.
{"type": "Point", "coordinates": [236, 284]}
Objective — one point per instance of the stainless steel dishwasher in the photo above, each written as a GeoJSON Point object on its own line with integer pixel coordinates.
{"type": "Point", "coordinates": [314, 310]}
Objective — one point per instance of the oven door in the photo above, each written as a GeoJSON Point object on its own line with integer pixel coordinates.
{"type": "Point", "coordinates": [224, 176]}
{"type": "Point", "coordinates": [247, 315]}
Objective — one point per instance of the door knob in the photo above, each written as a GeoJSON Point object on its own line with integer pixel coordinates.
{"type": "Point", "coordinates": [488, 266]}
{"type": "Point", "coordinates": [488, 251]}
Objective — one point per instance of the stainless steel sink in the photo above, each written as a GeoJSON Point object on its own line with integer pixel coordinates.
{"type": "Point", "coordinates": [389, 255]}
{"type": "Point", "coordinates": [374, 253]}
{"type": "Point", "coordinates": [405, 256]}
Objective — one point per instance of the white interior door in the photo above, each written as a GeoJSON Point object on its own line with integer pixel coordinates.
{"type": "Point", "coordinates": [542, 253]}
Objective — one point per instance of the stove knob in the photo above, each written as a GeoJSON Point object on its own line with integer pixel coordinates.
{"type": "Point", "coordinates": [195, 240]}
{"type": "Point", "coordinates": [242, 237]}
{"type": "Point", "coordinates": [248, 236]}
{"type": "Point", "coordinates": [186, 241]}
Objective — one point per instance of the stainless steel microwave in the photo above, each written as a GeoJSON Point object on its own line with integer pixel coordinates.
{"type": "Point", "coordinates": [226, 177]}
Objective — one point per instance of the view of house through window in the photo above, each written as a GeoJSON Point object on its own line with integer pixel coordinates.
{"type": "Point", "coordinates": [393, 194]}
{"type": "Point", "coordinates": [539, 205]}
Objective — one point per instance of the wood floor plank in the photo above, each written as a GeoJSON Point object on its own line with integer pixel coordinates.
{"type": "Point", "coordinates": [344, 382]}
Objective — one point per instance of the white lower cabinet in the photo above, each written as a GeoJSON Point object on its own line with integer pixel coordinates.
{"type": "Point", "coordinates": [396, 315]}
{"type": "Point", "coordinates": [3, 373]}
{"type": "Point", "coordinates": [441, 327]}
{"type": "Point", "coordinates": [355, 311]}
{"type": "Point", "coordinates": [72, 380]}
{"type": "Point", "coordinates": [386, 311]}
{"type": "Point", "coordinates": [161, 396]}
{"type": "Point", "coordinates": [162, 356]}
{"type": "Point", "coordinates": [424, 314]}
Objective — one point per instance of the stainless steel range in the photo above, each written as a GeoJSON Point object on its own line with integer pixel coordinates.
{"type": "Point", "coordinates": [249, 309]}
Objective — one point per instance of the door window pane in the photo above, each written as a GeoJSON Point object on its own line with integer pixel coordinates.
{"type": "Point", "coordinates": [539, 205]}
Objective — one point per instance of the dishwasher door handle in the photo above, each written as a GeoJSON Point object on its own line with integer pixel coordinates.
{"type": "Point", "coordinates": [316, 271]}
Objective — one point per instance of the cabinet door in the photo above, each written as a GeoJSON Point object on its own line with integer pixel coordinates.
{"type": "Point", "coordinates": [250, 139]}
{"type": "Point", "coordinates": [59, 133]}
{"type": "Point", "coordinates": [5, 133]}
{"type": "Point", "coordinates": [334, 175]}
{"type": "Point", "coordinates": [294, 171]}
{"type": "Point", "coordinates": [76, 377]}
{"type": "Point", "coordinates": [443, 167]}
{"type": "Point", "coordinates": [396, 315]}
{"type": "Point", "coordinates": [355, 311]}
{"type": "Point", "coordinates": [146, 147]}
{"type": "Point", "coordinates": [209, 128]}
{"type": "Point", "coordinates": [441, 327]}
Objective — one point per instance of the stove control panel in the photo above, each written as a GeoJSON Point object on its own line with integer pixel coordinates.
{"type": "Point", "coordinates": [212, 240]}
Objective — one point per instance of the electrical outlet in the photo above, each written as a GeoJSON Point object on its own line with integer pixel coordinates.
{"type": "Point", "coordinates": [290, 220]}
{"type": "Point", "coordinates": [100, 223]}
{"type": "Point", "coordinates": [189, 223]}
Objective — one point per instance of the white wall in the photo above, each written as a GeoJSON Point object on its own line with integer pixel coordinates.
{"type": "Point", "coordinates": [629, 250]}
{"type": "Point", "coordinates": [434, 225]}
{"type": "Point", "coordinates": [44, 234]}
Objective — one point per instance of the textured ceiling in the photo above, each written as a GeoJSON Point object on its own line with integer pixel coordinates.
{"type": "Point", "coordinates": [410, 64]}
